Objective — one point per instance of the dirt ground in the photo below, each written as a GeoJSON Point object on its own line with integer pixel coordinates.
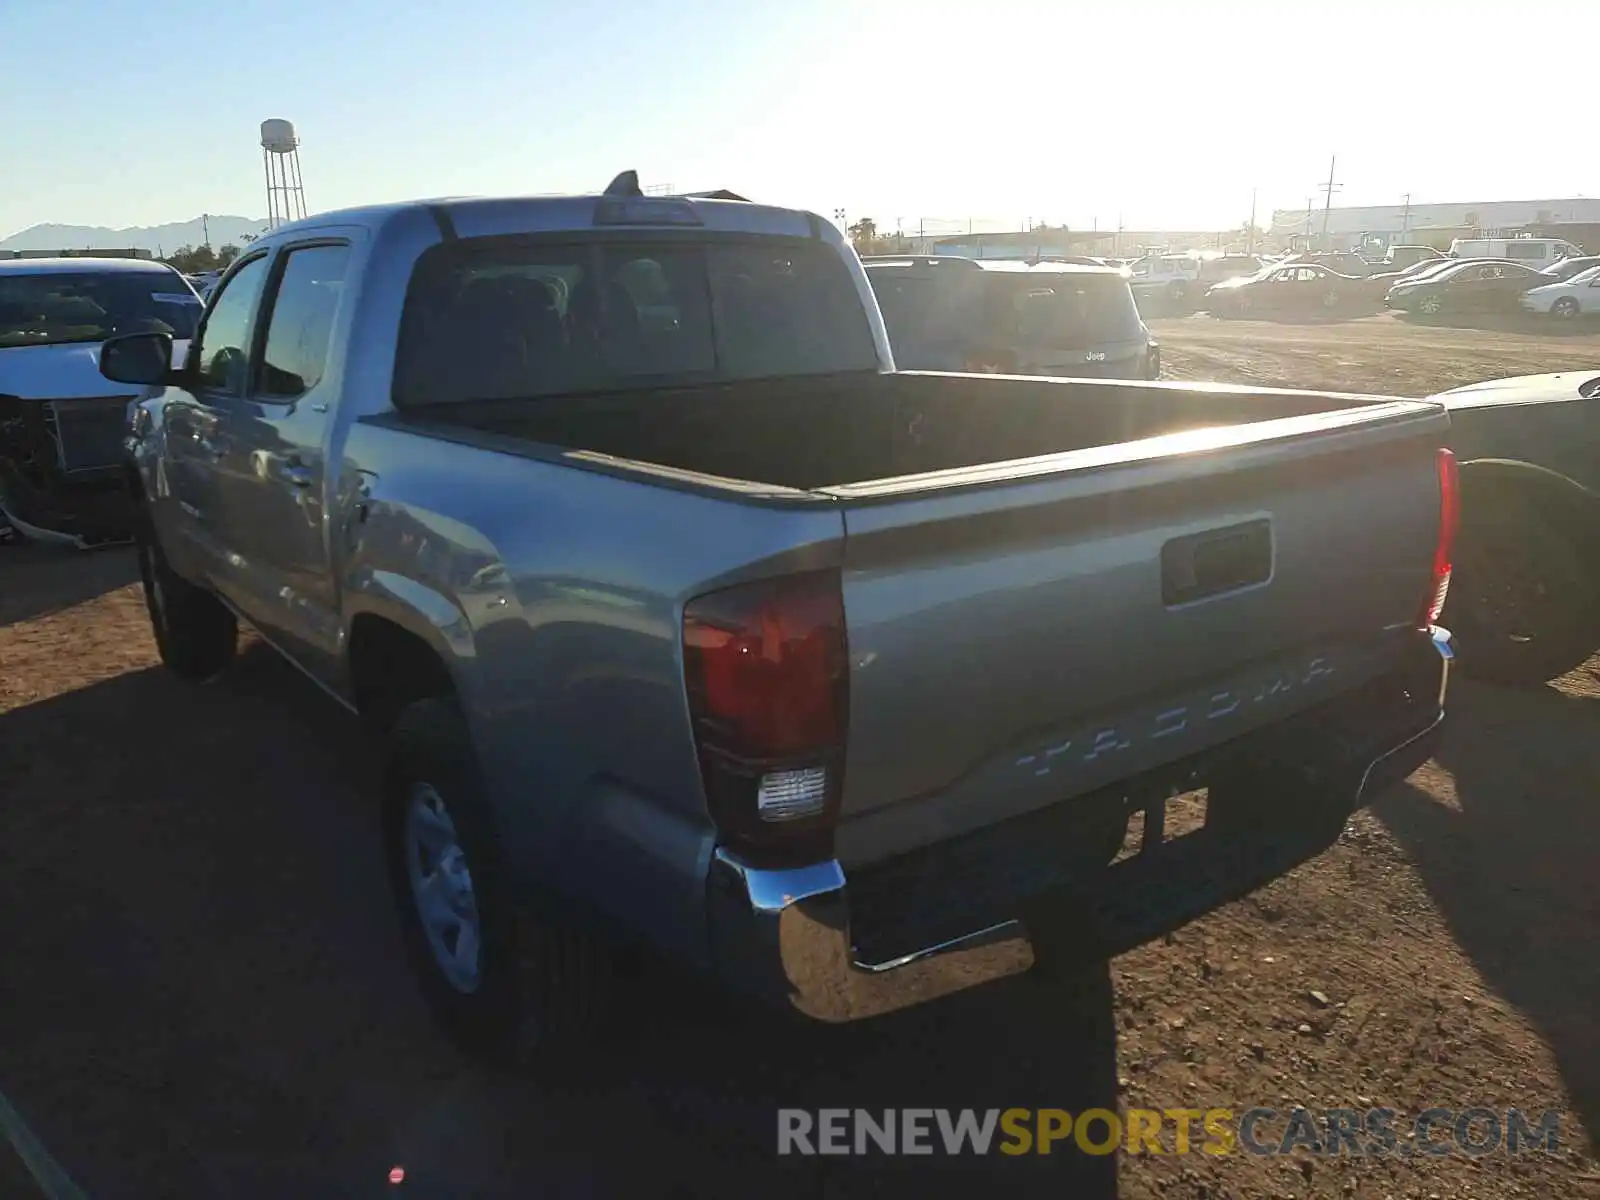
{"type": "Point", "coordinates": [1384, 355]}
{"type": "Point", "coordinates": [203, 990]}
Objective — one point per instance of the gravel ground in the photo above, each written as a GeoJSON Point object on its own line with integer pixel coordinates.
{"type": "Point", "coordinates": [205, 993]}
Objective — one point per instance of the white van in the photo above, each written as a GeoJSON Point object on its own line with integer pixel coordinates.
{"type": "Point", "coordinates": [1537, 253]}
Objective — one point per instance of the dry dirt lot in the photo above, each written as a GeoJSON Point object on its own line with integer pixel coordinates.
{"type": "Point", "coordinates": [1382, 354]}
{"type": "Point", "coordinates": [203, 992]}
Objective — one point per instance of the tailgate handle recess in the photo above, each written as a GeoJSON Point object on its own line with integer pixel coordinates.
{"type": "Point", "coordinates": [1216, 562]}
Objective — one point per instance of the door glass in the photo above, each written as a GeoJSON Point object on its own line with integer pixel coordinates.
{"type": "Point", "coordinates": [224, 361]}
{"type": "Point", "coordinates": [301, 326]}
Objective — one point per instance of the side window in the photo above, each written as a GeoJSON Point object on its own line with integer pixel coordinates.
{"type": "Point", "coordinates": [224, 354]}
{"type": "Point", "coordinates": [300, 326]}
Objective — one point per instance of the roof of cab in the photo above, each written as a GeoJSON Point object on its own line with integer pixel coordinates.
{"type": "Point", "coordinates": [474, 216]}
{"type": "Point", "coordinates": [82, 266]}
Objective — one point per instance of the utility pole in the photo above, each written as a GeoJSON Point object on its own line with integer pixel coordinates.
{"type": "Point", "coordinates": [1250, 233]}
{"type": "Point", "coordinates": [1328, 190]}
{"type": "Point", "coordinates": [1405, 219]}
{"type": "Point", "coordinates": [205, 229]}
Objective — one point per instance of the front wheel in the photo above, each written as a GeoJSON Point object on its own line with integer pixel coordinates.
{"type": "Point", "coordinates": [507, 978]}
{"type": "Point", "coordinates": [1430, 305]}
{"type": "Point", "coordinates": [196, 634]}
{"type": "Point", "coordinates": [1524, 604]}
{"type": "Point", "coordinates": [1565, 308]}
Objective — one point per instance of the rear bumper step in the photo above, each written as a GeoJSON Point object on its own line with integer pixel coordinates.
{"type": "Point", "coordinates": [825, 945]}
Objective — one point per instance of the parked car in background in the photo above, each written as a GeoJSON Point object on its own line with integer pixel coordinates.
{"type": "Point", "coordinates": [1219, 268]}
{"type": "Point", "coordinates": [1072, 260]}
{"type": "Point", "coordinates": [1481, 286]}
{"type": "Point", "coordinates": [1574, 297]}
{"type": "Point", "coordinates": [683, 617]}
{"type": "Point", "coordinates": [1293, 288]}
{"type": "Point", "coordinates": [61, 426]}
{"type": "Point", "coordinates": [1567, 268]}
{"type": "Point", "coordinates": [1342, 262]}
{"type": "Point", "coordinates": [1061, 319]}
{"type": "Point", "coordinates": [1398, 258]}
{"type": "Point", "coordinates": [1537, 253]}
{"type": "Point", "coordinates": [1169, 279]}
{"type": "Point", "coordinates": [1525, 590]}
{"type": "Point", "coordinates": [1417, 270]}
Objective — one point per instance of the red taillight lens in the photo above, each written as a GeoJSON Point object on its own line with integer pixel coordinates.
{"type": "Point", "coordinates": [1449, 521]}
{"type": "Point", "coordinates": [766, 669]}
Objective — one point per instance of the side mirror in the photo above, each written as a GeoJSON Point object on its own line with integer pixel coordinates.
{"type": "Point", "coordinates": [138, 358]}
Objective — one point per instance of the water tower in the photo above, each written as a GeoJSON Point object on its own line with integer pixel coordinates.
{"type": "Point", "coordinates": [280, 157]}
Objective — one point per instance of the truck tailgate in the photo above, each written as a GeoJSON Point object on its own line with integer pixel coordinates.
{"type": "Point", "coordinates": [1023, 632]}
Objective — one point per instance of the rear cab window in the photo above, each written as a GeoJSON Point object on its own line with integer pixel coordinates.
{"type": "Point", "coordinates": [502, 318]}
{"type": "Point", "coordinates": [58, 308]}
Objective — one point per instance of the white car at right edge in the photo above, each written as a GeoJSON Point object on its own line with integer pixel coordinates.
{"type": "Point", "coordinates": [1569, 299]}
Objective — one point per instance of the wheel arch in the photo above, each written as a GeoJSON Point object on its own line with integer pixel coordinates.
{"type": "Point", "coordinates": [396, 654]}
{"type": "Point", "coordinates": [1565, 500]}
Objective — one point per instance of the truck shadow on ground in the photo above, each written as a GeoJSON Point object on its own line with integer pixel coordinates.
{"type": "Point", "coordinates": [1512, 868]}
{"type": "Point", "coordinates": [217, 1004]}
{"type": "Point", "coordinates": [36, 581]}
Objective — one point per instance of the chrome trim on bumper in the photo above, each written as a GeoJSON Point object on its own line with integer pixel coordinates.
{"type": "Point", "coordinates": [785, 936]}
{"type": "Point", "coordinates": [785, 933]}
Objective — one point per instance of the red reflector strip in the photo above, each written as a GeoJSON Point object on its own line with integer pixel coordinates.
{"type": "Point", "coordinates": [1449, 522]}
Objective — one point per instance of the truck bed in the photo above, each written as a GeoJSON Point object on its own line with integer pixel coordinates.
{"type": "Point", "coordinates": [1051, 585]}
{"type": "Point", "coordinates": [830, 431]}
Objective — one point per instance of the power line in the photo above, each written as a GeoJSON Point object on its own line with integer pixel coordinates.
{"type": "Point", "coordinates": [1328, 189]}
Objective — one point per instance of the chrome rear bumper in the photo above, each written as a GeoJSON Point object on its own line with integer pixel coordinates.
{"type": "Point", "coordinates": [785, 934]}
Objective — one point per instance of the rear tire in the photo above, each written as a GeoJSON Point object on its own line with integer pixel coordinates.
{"type": "Point", "coordinates": [196, 634]}
{"type": "Point", "coordinates": [1524, 602]}
{"type": "Point", "coordinates": [533, 989]}
{"type": "Point", "coordinates": [1177, 292]}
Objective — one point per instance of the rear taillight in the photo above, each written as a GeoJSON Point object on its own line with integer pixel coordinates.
{"type": "Point", "coordinates": [1449, 520]}
{"type": "Point", "coordinates": [768, 680]}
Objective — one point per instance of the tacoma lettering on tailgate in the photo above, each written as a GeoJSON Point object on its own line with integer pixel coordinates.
{"type": "Point", "coordinates": [1177, 720]}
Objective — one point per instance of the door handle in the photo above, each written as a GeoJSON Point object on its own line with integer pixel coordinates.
{"type": "Point", "coordinates": [296, 475]}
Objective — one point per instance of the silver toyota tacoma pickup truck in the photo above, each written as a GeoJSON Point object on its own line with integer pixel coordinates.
{"type": "Point", "coordinates": [685, 616]}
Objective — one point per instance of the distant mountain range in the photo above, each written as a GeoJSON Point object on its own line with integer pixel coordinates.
{"type": "Point", "coordinates": [159, 239]}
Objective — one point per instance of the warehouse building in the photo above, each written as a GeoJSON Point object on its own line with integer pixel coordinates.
{"type": "Point", "coordinates": [1437, 224]}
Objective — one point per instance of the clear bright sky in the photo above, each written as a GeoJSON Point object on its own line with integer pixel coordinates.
{"type": "Point", "coordinates": [1166, 112]}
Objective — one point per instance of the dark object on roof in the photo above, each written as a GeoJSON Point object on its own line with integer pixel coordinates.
{"type": "Point", "coordinates": [625, 184]}
{"type": "Point", "coordinates": [719, 194]}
